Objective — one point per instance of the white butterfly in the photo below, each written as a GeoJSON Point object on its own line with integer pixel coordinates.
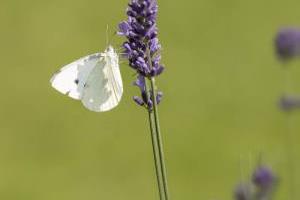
{"type": "Point", "coordinates": [94, 79]}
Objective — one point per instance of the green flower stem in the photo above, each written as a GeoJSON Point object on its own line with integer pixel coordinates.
{"type": "Point", "coordinates": [290, 155]}
{"type": "Point", "coordinates": [155, 151]}
{"type": "Point", "coordinates": [158, 138]}
{"type": "Point", "coordinates": [289, 135]}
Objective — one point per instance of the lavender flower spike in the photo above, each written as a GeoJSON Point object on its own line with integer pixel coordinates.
{"type": "Point", "coordinates": [141, 33]}
{"type": "Point", "coordinates": [287, 43]}
{"type": "Point", "coordinates": [142, 47]}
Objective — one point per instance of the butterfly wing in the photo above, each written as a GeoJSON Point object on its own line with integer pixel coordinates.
{"type": "Point", "coordinates": [104, 87]}
{"type": "Point", "coordinates": [70, 80]}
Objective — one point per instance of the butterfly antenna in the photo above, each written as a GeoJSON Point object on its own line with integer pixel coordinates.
{"type": "Point", "coordinates": [110, 36]}
{"type": "Point", "coordinates": [107, 37]}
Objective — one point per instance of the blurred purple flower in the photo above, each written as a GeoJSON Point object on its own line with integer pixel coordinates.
{"type": "Point", "coordinates": [288, 103]}
{"type": "Point", "coordinates": [142, 47]}
{"type": "Point", "coordinates": [265, 181]}
{"type": "Point", "coordinates": [287, 43]}
{"type": "Point", "coordinates": [263, 178]}
{"type": "Point", "coordinates": [261, 187]}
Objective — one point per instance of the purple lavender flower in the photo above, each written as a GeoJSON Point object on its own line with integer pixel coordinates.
{"type": "Point", "coordinates": [288, 103]}
{"type": "Point", "coordinates": [287, 43]}
{"type": "Point", "coordinates": [263, 178]}
{"type": "Point", "coordinates": [142, 47]}
{"type": "Point", "coordinates": [261, 187]}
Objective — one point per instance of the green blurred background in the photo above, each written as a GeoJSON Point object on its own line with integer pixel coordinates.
{"type": "Point", "coordinates": [219, 113]}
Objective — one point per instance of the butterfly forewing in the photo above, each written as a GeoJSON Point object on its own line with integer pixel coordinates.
{"type": "Point", "coordinates": [70, 80]}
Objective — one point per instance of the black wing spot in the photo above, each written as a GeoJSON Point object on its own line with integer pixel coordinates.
{"type": "Point", "coordinates": [76, 81]}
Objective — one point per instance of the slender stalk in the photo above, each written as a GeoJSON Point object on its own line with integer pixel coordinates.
{"type": "Point", "coordinates": [155, 149]}
{"type": "Point", "coordinates": [289, 134]}
{"type": "Point", "coordinates": [156, 158]}
{"type": "Point", "coordinates": [157, 129]}
{"type": "Point", "coordinates": [290, 153]}
{"type": "Point", "coordinates": [159, 139]}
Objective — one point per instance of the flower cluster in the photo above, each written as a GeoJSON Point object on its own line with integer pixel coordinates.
{"type": "Point", "coordinates": [260, 188]}
{"type": "Point", "coordinates": [287, 43]}
{"type": "Point", "coordinates": [142, 47]}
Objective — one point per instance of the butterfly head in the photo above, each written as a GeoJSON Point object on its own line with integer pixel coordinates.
{"type": "Point", "coordinates": [109, 49]}
{"type": "Point", "coordinates": [110, 52]}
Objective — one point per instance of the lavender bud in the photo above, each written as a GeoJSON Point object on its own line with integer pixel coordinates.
{"type": "Point", "coordinates": [154, 45]}
{"type": "Point", "coordinates": [140, 82]}
{"type": "Point", "coordinates": [138, 100]}
{"type": "Point", "coordinates": [124, 29]}
{"type": "Point", "coordinates": [157, 70]}
{"type": "Point", "coordinates": [150, 104]}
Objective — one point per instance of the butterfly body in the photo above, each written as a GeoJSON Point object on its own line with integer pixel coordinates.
{"type": "Point", "coordinates": [94, 79]}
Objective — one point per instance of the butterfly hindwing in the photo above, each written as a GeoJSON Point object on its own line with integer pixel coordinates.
{"type": "Point", "coordinates": [104, 88]}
